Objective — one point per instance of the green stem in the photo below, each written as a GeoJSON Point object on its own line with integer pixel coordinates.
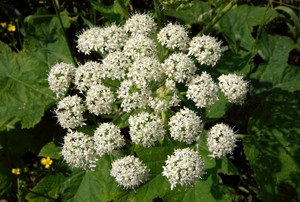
{"type": "Point", "coordinates": [64, 32]}
{"type": "Point", "coordinates": [160, 14]}
{"type": "Point", "coordinates": [219, 15]}
{"type": "Point", "coordinates": [123, 8]}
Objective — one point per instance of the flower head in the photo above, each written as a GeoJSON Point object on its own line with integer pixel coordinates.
{"type": "Point", "coordinates": [87, 75]}
{"type": "Point", "coordinates": [185, 126]}
{"type": "Point", "coordinates": [202, 90]}
{"type": "Point", "coordinates": [234, 87]}
{"type": "Point", "coordinates": [129, 172]}
{"type": "Point", "coordinates": [60, 77]}
{"type": "Point", "coordinates": [144, 70]}
{"type": "Point", "coordinates": [11, 28]}
{"type": "Point", "coordinates": [183, 167]}
{"type": "Point", "coordinates": [107, 139]}
{"type": "Point", "coordinates": [69, 112]}
{"type": "Point", "coordinates": [140, 24]}
{"type": "Point", "coordinates": [140, 46]}
{"type": "Point", "coordinates": [221, 140]}
{"type": "Point", "coordinates": [115, 65]}
{"type": "Point", "coordinates": [78, 150]}
{"type": "Point", "coordinates": [174, 36]}
{"type": "Point", "coordinates": [179, 67]}
{"type": "Point", "coordinates": [132, 96]}
{"type": "Point", "coordinates": [145, 129]}
{"type": "Point", "coordinates": [99, 100]}
{"type": "Point", "coordinates": [89, 40]}
{"type": "Point", "coordinates": [206, 49]}
{"type": "Point", "coordinates": [47, 162]}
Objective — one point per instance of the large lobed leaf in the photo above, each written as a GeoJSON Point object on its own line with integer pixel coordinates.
{"type": "Point", "coordinates": [24, 90]}
{"type": "Point", "coordinates": [238, 24]}
{"type": "Point", "coordinates": [273, 147]}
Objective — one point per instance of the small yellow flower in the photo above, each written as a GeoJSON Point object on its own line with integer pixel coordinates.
{"type": "Point", "coordinates": [16, 171]}
{"type": "Point", "coordinates": [11, 28]}
{"type": "Point", "coordinates": [3, 24]}
{"type": "Point", "coordinates": [46, 162]}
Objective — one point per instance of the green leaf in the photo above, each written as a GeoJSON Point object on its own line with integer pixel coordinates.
{"type": "Point", "coordinates": [48, 189]}
{"type": "Point", "coordinates": [98, 185]}
{"type": "Point", "coordinates": [190, 15]}
{"type": "Point", "coordinates": [273, 147]}
{"type": "Point", "coordinates": [45, 40]}
{"type": "Point", "coordinates": [51, 150]}
{"type": "Point", "coordinates": [24, 90]}
{"type": "Point", "coordinates": [276, 72]}
{"type": "Point", "coordinates": [218, 110]}
{"type": "Point", "coordinates": [237, 25]}
{"type": "Point", "coordinates": [115, 12]}
{"type": "Point", "coordinates": [5, 179]}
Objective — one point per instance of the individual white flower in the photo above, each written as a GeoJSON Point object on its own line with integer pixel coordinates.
{"type": "Point", "coordinates": [129, 172]}
{"type": "Point", "coordinates": [87, 75]}
{"type": "Point", "coordinates": [88, 40]}
{"type": "Point", "coordinates": [179, 67]}
{"type": "Point", "coordinates": [69, 112]}
{"type": "Point", "coordinates": [132, 96]}
{"type": "Point", "coordinates": [234, 87]}
{"type": "Point", "coordinates": [115, 65]}
{"type": "Point", "coordinates": [183, 167]}
{"type": "Point", "coordinates": [185, 126]}
{"type": "Point", "coordinates": [221, 140]}
{"type": "Point", "coordinates": [140, 24]}
{"type": "Point", "coordinates": [206, 49]}
{"type": "Point", "coordinates": [108, 139]}
{"type": "Point", "coordinates": [99, 100]}
{"type": "Point", "coordinates": [202, 90]}
{"type": "Point", "coordinates": [174, 36]}
{"type": "Point", "coordinates": [145, 70]}
{"type": "Point", "coordinates": [140, 46]}
{"type": "Point", "coordinates": [78, 150]}
{"type": "Point", "coordinates": [145, 129]}
{"type": "Point", "coordinates": [60, 77]}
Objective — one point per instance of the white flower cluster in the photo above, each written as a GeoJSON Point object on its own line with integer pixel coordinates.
{"type": "Point", "coordinates": [103, 40]}
{"type": "Point", "coordinates": [185, 126]}
{"type": "Point", "coordinates": [129, 172]}
{"type": "Point", "coordinates": [69, 112]}
{"type": "Point", "coordinates": [179, 67]}
{"type": "Point", "coordinates": [87, 75]}
{"type": "Point", "coordinates": [221, 140]}
{"type": "Point", "coordinates": [99, 100]}
{"type": "Point", "coordinates": [78, 151]}
{"type": "Point", "coordinates": [132, 80]}
{"type": "Point", "coordinates": [206, 49]}
{"type": "Point", "coordinates": [60, 77]}
{"type": "Point", "coordinates": [202, 90]}
{"type": "Point", "coordinates": [174, 36]}
{"type": "Point", "coordinates": [234, 87]}
{"type": "Point", "coordinates": [146, 129]}
{"type": "Point", "coordinates": [183, 167]}
{"type": "Point", "coordinates": [140, 24]}
{"type": "Point", "coordinates": [108, 139]}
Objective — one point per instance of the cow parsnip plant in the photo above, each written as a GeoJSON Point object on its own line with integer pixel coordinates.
{"type": "Point", "coordinates": [194, 101]}
{"type": "Point", "coordinates": [146, 75]}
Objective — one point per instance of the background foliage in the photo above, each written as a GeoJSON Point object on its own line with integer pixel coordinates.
{"type": "Point", "coordinates": [262, 42]}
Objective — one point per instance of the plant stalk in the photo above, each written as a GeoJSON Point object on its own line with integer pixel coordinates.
{"type": "Point", "coordinates": [64, 32]}
{"type": "Point", "coordinates": [219, 15]}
